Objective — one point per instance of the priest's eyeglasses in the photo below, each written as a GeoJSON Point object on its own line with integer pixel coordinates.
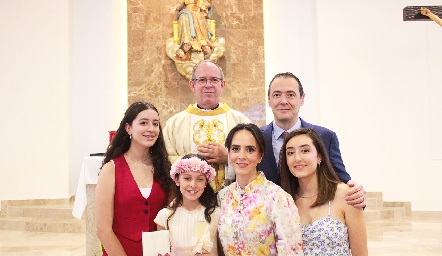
{"type": "Point", "coordinates": [212, 80]}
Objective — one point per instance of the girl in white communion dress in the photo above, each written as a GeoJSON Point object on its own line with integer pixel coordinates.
{"type": "Point", "coordinates": [192, 219]}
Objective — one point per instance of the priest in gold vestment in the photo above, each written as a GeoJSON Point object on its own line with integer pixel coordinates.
{"type": "Point", "coordinates": [203, 126]}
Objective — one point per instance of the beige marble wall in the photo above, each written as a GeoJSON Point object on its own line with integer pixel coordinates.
{"type": "Point", "coordinates": [152, 75]}
{"type": "Point", "coordinates": [92, 241]}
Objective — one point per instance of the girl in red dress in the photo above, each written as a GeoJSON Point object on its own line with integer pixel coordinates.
{"type": "Point", "coordinates": [133, 184]}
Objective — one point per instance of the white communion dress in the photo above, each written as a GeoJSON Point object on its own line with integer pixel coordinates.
{"type": "Point", "coordinates": [189, 230]}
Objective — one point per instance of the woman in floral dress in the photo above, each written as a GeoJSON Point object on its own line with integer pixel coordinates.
{"type": "Point", "coordinates": [256, 217]}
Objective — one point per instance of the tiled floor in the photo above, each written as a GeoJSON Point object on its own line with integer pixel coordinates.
{"type": "Point", "coordinates": [404, 236]}
{"type": "Point", "coordinates": [15, 243]}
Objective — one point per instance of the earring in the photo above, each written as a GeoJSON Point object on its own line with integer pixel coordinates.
{"type": "Point", "coordinates": [130, 136]}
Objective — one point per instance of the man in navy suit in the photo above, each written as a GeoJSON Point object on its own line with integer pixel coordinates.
{"type": "Point", "coordinates": [285, 97]}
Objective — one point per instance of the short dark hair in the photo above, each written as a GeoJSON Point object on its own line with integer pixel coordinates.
{"type": "Point", "coordinates": [286, 75]}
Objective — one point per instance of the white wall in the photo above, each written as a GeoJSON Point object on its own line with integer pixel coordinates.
{"type": "Point", "coordinates": [290, 39]}
{"type": "Point", "coordinates": [62, 87]}
{"type": "Point", "coordinates": [98, 90]}
{"type": "Point", "coordinates": [377, 81]}
{"type": "Point", "coordinates": [34, 98]}
{"type": "Point", "coordinates": [380, 80]}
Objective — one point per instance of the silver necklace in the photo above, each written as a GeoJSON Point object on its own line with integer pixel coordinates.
{"type": "Point", "coordinates": [137, 162]}
{"type": "Point", "coordinates": [307, 197]}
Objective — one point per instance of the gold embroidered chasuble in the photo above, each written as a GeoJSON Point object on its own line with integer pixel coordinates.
{"type": "Point", "coordinates": [186, 130]}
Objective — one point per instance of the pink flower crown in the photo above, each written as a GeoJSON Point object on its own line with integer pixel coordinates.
{"type": "Point", "coordinates": [193, 164]}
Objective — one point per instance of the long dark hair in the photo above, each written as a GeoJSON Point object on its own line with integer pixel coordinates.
{"type": "Point", "coordinates": [327, 178]}
{"type": "Point", "coordinates": [158, 153]}
{"type": "Point", "coordinates": [207, 198]}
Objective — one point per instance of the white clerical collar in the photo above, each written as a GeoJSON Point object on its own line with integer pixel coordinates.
{"type": "Point", "coordinates": [207, 109]}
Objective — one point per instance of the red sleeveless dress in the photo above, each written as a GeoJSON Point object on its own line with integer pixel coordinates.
{"type": "Point", "coordinates": [134, 214]}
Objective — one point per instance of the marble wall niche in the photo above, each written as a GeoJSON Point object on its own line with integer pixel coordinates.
{"type": "Point", "coordinates": [152, 75]}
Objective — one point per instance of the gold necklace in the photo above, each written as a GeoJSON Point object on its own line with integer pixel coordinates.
{"type": "Point", "coordinates": [137, 162]}
{"type": "Point", "coordinates": [307, 197]}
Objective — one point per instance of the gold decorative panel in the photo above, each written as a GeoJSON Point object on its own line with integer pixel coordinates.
{"type": "Point", "coordinates": [152, 75]}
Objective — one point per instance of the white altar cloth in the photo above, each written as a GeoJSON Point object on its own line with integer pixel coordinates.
{"type": "Point", "coordinates": [88, 175]}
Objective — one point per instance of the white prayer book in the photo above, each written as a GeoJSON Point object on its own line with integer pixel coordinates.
{"type": "Point", "coordinates": [156, 243]}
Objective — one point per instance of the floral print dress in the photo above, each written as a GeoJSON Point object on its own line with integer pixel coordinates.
{"type": "Point", "coordinates": [261, 219]}
{"type": "Point", "coordinates": [326, 236]}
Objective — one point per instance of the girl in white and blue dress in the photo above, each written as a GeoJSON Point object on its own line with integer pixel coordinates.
{"type": "Point", "coordinates": [192, 219]}
{"type": "Point", "coordinates": [329, 225]}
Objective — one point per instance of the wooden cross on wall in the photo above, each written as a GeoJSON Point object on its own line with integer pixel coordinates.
{"type": "Point", "coordinates": [413, 13]}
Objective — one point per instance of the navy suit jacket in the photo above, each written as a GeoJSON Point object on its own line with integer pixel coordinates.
{"type": "Point", "coordinates": [269, 166]}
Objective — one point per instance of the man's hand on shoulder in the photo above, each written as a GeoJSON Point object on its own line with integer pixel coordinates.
{"type": "Point", "coordinates": [356, 195]}
{"type": "Point", "coordinates": [213, 152]}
